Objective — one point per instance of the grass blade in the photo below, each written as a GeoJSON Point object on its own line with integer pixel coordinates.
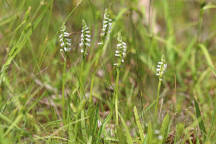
{"type": "Point", "coordinates": [208, 57]}
{"type": "Point", "coordinates": [199, 118]}
{"type": "Point", "coordinates": [165, 127]}
{"type": "Point", "coordinates": [148, 138]}
{"type": "Point", "coordinates": [127, 132]}
{"type": "Point", "coordinates": [15, 50]}
{"type": "Point", "coordinates": [141, 132]}
{"type": "Point", "coordinates": [108, 118]}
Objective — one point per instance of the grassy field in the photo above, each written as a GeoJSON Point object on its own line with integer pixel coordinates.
{"type": "Point", "coordinates": [107, 71]}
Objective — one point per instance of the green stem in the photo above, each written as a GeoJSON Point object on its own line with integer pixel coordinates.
{"type": "Point", "coordinates": [158, 95]}
{"type": "Point", "coordinates": [116, 95]}
{"type": "Point", "coordinates": [82, 90]}
{"type": "Point", "coordinates": [91, 88]}
{"type": "Point", "coordinates": [63, 90]}
{"type": "Point", "coordinates": [96, 60]}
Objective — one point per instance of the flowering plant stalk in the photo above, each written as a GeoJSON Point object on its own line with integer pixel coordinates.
{"type": "Point", "coordinates": [65, 43]}
{"type": "Point", "coordinates": [85, 43]}
{"type": "Point", "coordinates": [160, 70]}
{"type": "Point", "coordinates": [85, 40]}
{"type": "Point", "coordinates": [105, 34]}
{"type": "Point", "coordinates": [120, 53]}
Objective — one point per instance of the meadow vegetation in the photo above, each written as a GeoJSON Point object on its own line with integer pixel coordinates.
{"type": "Point", "coordinates": [107, 71]}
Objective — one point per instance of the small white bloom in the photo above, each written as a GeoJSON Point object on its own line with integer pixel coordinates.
{"type": "Point", "coordinates": [62, 44]}
{"type": "Point", "coordinates": [107, 24]}
{"type": "Point", "coordinates": [100, 43]}
{"type": "Point", "coordinates": [85, 41]}
{"type": "Point", "coordinates": [65, 49]}
{"type": "Point", "coordinates": [99, 123]}
{"type": "Point", "coordinates": [160, 137]}
{"type": "Point", "coordinates": [66, 34]}
{"type": "Point", "coordinates": [157, 132]}
{"type": "Point", "coordinates": [64, 39]}
{"type": "Point", "coordinates": [120, 52]}
{"type": "Point", "coordinates": [161, 68]}
{"type": "Point", "coordinates": [116, 64]}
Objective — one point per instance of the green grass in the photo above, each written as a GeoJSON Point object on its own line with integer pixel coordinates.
{"type": "Point", "coordinates": [51, 97]}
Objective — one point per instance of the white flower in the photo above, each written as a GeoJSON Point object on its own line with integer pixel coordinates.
{"type": "Point", "coordinates": [65, 49]}
{"type": "Point", "coordinates": [120, 51]}
{"type": "Point", "coordinates": [99, 123]}
{"type": "Point", "coordinates": [157, 132]}
{"type": "Point", "coordinates": [85, 41]}
{"type": "Point", "coordinates": [161, 67]}
{"type": "Point", "coordinates": [160, 137]}
{"type": "Point", "coordinates": [107, 24]}
{"type": "Point", "coordinates": [64, 39]}
{"type": "Point", "coordinates": [100, 43]}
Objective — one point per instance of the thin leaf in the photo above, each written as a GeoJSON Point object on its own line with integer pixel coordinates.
{"type": "Point", "coordinates": [103, 126]}
{"type": "Point", "coordinates": [141, 132]}
{"type": "Point", "coordinates": [165, 127]}
{"type": "Point", "coordinates": [127, 132]}
{"type": "Point", "coordinates": [199, 118]}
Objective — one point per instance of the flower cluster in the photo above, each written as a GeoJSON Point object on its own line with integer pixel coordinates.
{"type": "Point", "coordinates": [85, 41]}
{"type": "Point", "coordinates": [161, 67]}
{"type": "Point", "coordinates": [65, 41]}
{"type": "Point", "coordinates": [120, 51]}
{"type": "Point", "coordinates": [107, 24]}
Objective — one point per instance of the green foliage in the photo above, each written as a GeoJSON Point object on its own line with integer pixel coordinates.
{"type": "Point", "coordinates": [141, 132]}
{"type": "Point", "coordinates": [165, 127]}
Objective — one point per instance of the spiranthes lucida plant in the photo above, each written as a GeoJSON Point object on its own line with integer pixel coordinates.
{"type": "Point", "coordinates": [64, 39]}
{"type": "Point", "coordinates": [85, 41]}
{"type": "Point", "coordinates": [105, 34]}
{"type": "Point", "coordinates": [107, 26]}
{"type": "Point", "coordinates": [65, 43]}
{"type": "Point", "coordinates": [102, 44]}
{"type": "Point", "coordinates": [160, 70]}
{"type": "Point", "coordinates": [120, 53]}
